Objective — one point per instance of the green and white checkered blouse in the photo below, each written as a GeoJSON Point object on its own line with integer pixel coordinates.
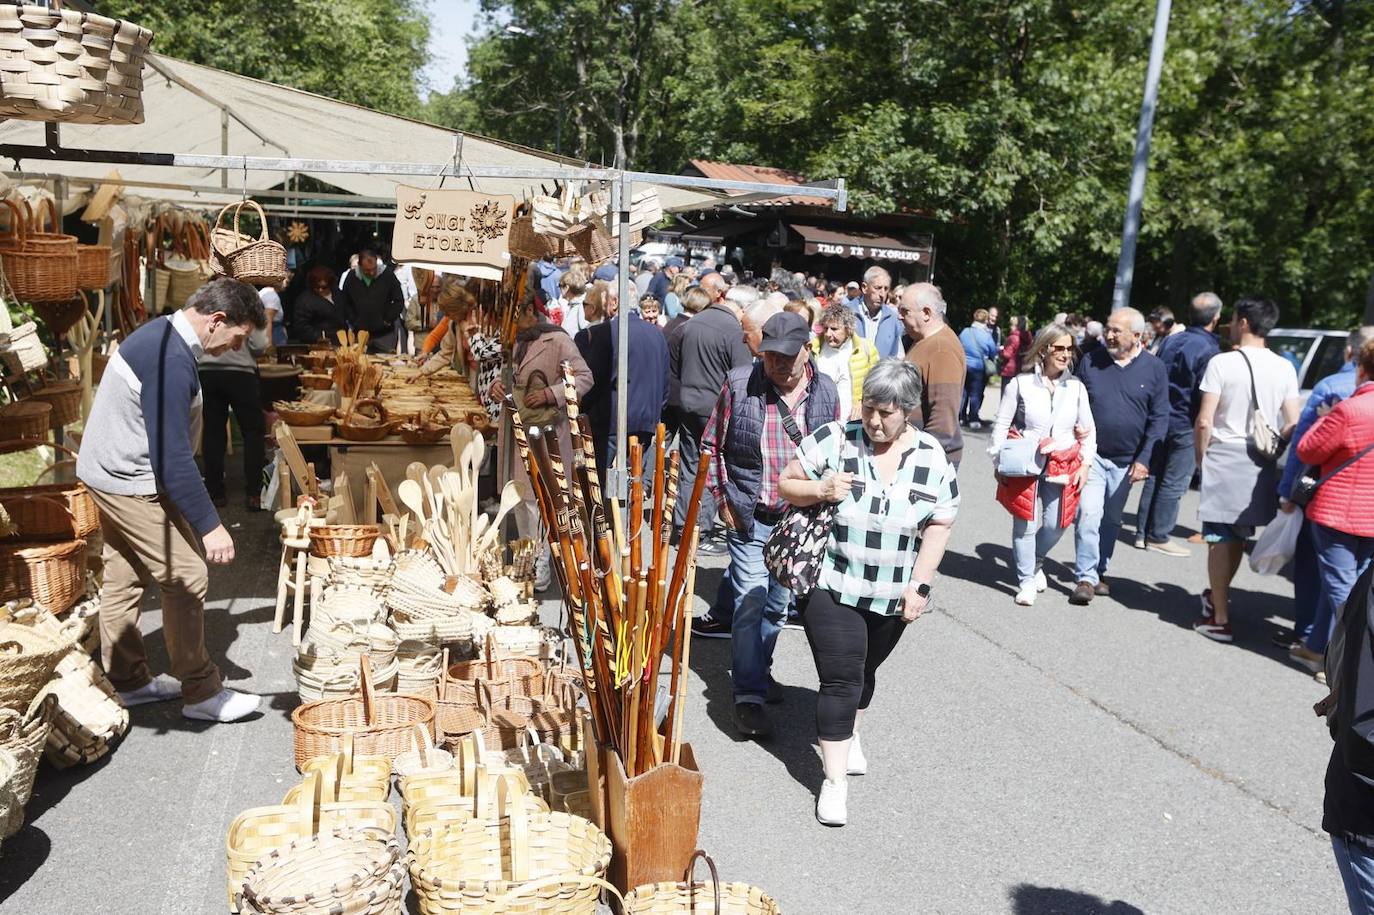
{"type": "Point", "coordinates": [877, 530]}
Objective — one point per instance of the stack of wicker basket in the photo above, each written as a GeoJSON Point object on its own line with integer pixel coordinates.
{"type": "Point", "coordinates": [48, 564]}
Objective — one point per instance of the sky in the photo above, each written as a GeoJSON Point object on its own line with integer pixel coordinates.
{"type": "Point", "coordinates": [451, 22]}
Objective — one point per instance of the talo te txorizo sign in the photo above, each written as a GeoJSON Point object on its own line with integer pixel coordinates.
{"type": "Point", "coordinates": [453, 228]}
{"type": "Point", "coordinates": [869, 252]}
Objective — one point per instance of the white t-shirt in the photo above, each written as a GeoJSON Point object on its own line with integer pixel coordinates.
{"type": "Point", "coordinates": [835, 364]}
{"type": "Point", "coordinates": [1228, 378]}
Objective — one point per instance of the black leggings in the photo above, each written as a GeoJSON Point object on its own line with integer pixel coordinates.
{"type": "Point", "coordinates": [848, 646]}
{"type": "Point", "coordinates": [222, 389]}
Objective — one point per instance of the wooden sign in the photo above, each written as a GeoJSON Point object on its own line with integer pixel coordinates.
{"type": "Point", "coordinates": [452, 230]}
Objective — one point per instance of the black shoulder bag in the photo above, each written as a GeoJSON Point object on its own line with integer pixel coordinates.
{"type": "Point", "coordinates": [1310, 480]}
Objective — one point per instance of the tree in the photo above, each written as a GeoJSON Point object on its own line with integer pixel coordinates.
{"type": "Point", "coordinates": [368, 52]}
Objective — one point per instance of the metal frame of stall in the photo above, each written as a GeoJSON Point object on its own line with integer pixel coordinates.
{"type": "Point", "coordinates": [620, 181]}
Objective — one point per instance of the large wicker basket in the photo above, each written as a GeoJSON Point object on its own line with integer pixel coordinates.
{"type": "Point", "coordinates": [24, 737]}
{"type": "Point", "coordinates": [25, 419]}
{"type": "Point", "coordinates": [357, 871]}
{"type": "Point", "coordinates": [66, 65]}
{"type": "Point", "coordinates": [51, 511]}
{"type": "Point", "coordinates": [39, 269]}
{"type": "Point", "coordinates": [92, 266]}
{"type": "Point", "coordinates": [689, 896]}
{"type": "Point", "coordinates": [65, 399]}
{"type": "Point", "coordinates": [260, 261]}
{"type": "Point", "coordinates": [53, 574]}
{"type": "Point", "coordinates": [343, 539]}
{"type": "Point", "coordinates": [380, 724]}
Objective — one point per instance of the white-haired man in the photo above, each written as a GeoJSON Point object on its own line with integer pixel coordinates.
{"type": "Point", "coordinates": [939, 356]}
{"type": "Point", "coordinates": [878, 321]}
{"type": "Point", "coordinates": [1128, 391]}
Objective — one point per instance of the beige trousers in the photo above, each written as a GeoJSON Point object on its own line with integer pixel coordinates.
{"type": "Point", "coordinates": [149, 544]}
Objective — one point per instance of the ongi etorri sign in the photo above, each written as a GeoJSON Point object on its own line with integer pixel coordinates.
{"type": "Point", "coordinates": [452, 228]}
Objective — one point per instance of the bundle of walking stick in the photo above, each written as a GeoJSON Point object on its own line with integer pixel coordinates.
{"type": "Point", "coordinates": [627, 597]}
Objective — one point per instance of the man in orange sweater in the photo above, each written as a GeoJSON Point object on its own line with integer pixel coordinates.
{"type": "Point", "coordinates": [939, 356]}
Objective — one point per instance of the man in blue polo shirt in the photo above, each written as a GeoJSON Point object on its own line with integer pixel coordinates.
{"type": "Point", "coordinates": [1128, 391]}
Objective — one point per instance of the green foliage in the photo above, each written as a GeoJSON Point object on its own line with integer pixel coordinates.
{"type": "Point", "coordinates": [369, 52]}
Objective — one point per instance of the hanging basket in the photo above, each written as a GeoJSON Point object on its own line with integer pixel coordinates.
{"type": "Point", "coordinates": [65, 398]}
{"type": "Point", "coordinates": [22, 350]}
{"type": "Point", "coordinates": [40, 267]}
{"type": "Point", "coordinates": [93, 266]}
{"type": "Point", "coordinates": [54, 575]}
{"type": "Point", "coordinates": [258, 262]}
{"type": "Point", "coordinates": [66, 65]}
{"type": "Point", "coordinates": [26, 419]}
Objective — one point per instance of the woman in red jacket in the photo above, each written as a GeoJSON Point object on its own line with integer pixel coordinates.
{"type": "Point", "coordinates": [1014, 350]}
{"type": "Point", "coordinates": [1342, 510]}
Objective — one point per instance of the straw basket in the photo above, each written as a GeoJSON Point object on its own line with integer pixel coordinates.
{"type": "Point", "coordinates": [525, 242]}
{"type": "Point", "coordinates": [258, 831]}
{"type": "Point", "coordinates": [500, 720]}
{"type": "Point", "coordinates": [690, 896]}
{"type": "Point", "coordinates": [470, 867]}
{"type": "Point", "coordinates": [505, 676]}
{"type": "Point", "coordinates": [25, 419]}
{"type": "Point", "coordinates": [66, 65]}
{"type": "Point", "coordinates": [343, 539]}
{"type": "Point", "coordinates": [11, 811]}
{"type": "Point", "coordinates": [65, 399]}
{"type": "Point", "coordinates": [380, 724]}
{"type": "Point", "coordinates": [358, 871]}
{"type": "Point", "coordinates": [92, 266]}
{"type": "Point", "coordinates": [40, 267]}
{"type": "Point", "coordinates": [300, 413]}
{"type": "Point", "coordinates": [418, 667]}
{"type": "Point", "coordinates": [25, 737]}
{"type": "Point", "coordinates": [258, 262]}
{"type": "Point", "coordinates": [88, 717]}
{"type": "Point", "coordinates": [372, 768]}
{"type": "Point", "coordinates": [425, 759]}
{"type": "Point", "coordinates": [28, 658]}
{"type": "Point", "coordinates": [54, 575]}
{"type": "Point", "coordinates": [338, 786]}
{"type": "Point", "coordinates": [51, 511]}
{"type": "Point", "coordinates": [22, 350]}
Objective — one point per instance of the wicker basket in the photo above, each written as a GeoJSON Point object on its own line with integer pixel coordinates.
{"type": "Point", "coordinates": [315, 382]}
{"type": "Point", "coordinates": [258, 262]}
{"type": "Point", "coordinates": [11, 811]}
{"type": "Point", "coordinates": [525, 242]}
{"type": "Point", "coordinates": [28, 658]}
{"type": "Point", "coordinates": [25, 737]}
{"type": "Point", "coordinates": [66, 65]}
{"type": "Point", "coordinates": [689, 896]}
{"type": "Point", "coordinates": [470, 867]}
{"type": "Point", "coordinates": [354, 871]}
{"type": "Point", "coordinates": [380, 724]}
{"type": "Point", "coordinates": [339, 786]}
{"type": "Point", "coordinates": [343, 539]}
{"type": "Point", "coordinates": [427, 434]}
{"type": "Point", "coordinates": [65, 399]}
{"type": "Point", "coordinates": [38, 269]}
{"type": "Point", "coordinates": [93, 266]}
{"type": "Point", "coordinates": [358, 426]}
{"type": "Point", "coordinates": [425, 759]}
{"type": "Point", "coordinates": [51, 511]}
{"type": "Point", "coordinates": [25, 419]}
{"type": "Point", "coordinates": [60, 316]}
{"type": "Point", "coordinates": [374, 768]}
{"type": "Point", "coordinates": [88, 718]}
{"type": "Point", "coordinates": [22, 350]}
{"type": "Point", "coordinates": [258, 831]}
{"type": "Point", "coordinates": [53, 574]}
{"type": "Point", "coordinates": [300, 413]}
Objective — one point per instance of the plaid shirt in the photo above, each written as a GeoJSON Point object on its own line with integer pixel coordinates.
{"type": "Point", "coordinates": [877, 530]}
{"type": "Point", "coordinates": [777, 446]}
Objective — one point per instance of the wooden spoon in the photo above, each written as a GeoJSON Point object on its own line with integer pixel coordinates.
{"type": "Point", "coordinates": [413, 498]}
{"type": "Point", "coordinates": [458, 438]}
{"type": "Point", "coordinates": [511, 496]}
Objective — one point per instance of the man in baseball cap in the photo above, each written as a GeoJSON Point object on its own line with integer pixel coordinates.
{"type": "Point", "coordinates": [761, 415]}
{"type": "Point", "coordinates": [663, 279]}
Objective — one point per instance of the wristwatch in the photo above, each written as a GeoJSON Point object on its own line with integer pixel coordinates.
{"type": "Point", "coordinates": [923, 589]}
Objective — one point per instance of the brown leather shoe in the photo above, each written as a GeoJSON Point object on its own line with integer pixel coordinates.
{"type": "Point", "coordinates": [1102, 589]}
{"type": "Point", "coordinates": [1082, 594]}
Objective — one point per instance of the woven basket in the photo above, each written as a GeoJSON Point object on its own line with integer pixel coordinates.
{"type": "Point", "coordinates": [532, 641]}
{"type": "Point", "coordinates": [689, 896]}
{"type": "Point", "coordinates": [298, 413]}
{"type": "Point", "coordinates": [343, 539]}
{"type": "Point", "coordinates": [22, 350]}
{"type": "Point", "coordinates": [88, 718]}
{"type": "Point", "coordinates": [354, 871]}
{"type": "Point", "coordinates": [470, 867]}
{"type": "Point", "coordinates": [93, 266]}
{"type": "Point", "coordinates": [258, 831]}
{"type": "Point", "coordinates": [425, 759]}
{"type": "Point", "coordinates": [373, 768]}
{"type": "Point", "coordinates": [25, 737]}
{"type": "Point", "coordinates": [340, 786]}
{"type": "Point", "coordinates": [380, 724]}
{"type": "Point", "coordinates": [38, 269]}
{"type": "Point", "coordinates": [316, 382]}
{"type": "Point", "coordinates": [65, 399]}
{"type": "Point", "coordinates": [258, 262]}
{"type": "Point", "coordinates": [11, 811]}
{"type": "Point", "coordinates": [501, 720]}
{"type": "Point", "coordinates": [54, 575]}
{"type": "Point", "coordinates": [65, 65]}
{"type": "Point", "coordinates": [51, 511]}
{"type": "Point", "coordinates": [26, 419]}
{"type": "Point", "coordinates": [527, 243]}
{"type": "Point", "coordinates": [348, 601]}
{"type": "Point", "coordinates": [60, 316]}
{"type": "Point", "coordinates": [28, 658]}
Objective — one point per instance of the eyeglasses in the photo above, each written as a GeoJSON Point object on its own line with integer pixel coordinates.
{"type": "Point", "coordinates": [1061, 350]}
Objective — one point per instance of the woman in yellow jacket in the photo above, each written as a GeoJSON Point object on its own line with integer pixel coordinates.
{"type": "Point", "coordinates": [844, 355]}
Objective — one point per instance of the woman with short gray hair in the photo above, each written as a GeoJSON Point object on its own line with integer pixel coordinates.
{"type": "Point", "coordinates": [895, 497]}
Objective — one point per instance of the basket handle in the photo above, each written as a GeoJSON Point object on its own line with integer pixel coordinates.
{"type": "Point", "coordinates": [33, 443]}
{"type": "Point", "coordinates": [331, 779]}
{"type": "Point", "coordinates": [365, 671]}
{"type": "Point", "coordinates": [36, 214]}
{"type": "Point", "coordinates": [308, 804]}
{"type": "Point", "coordinates": [347, 754]}
{"type": "Point", "coordinates": [18, 223]}
{"type": "Point", "coordinates": [700, 855]}
{"type": "Point", "coordinates": [262, 218]}
{"type": "Point", "coordinates": [423, 745]}
{"type": "Point", "coordinates": [511, 800]}
{"type": "Point", "coordinates": [485, 702]}
{"type": "Point", "coordinates": [558, 880]}
{"type": "Point", "coordinates": [443, 672]}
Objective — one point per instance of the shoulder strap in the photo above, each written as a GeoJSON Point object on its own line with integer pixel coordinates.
{"type": "Point", "coordinates": [1254, 394]}
{"type": "Point", "coordinates": [1347, 462]}
{"type": "Point", "coordinates": [788, 421]}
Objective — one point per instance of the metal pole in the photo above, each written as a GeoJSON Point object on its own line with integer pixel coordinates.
{"type": "Point", "coordinates": [622, 193]}
{"type": "Point", "coordinates": [1125, 267]}
{"type": "Point", "coordinates": [224, 145]}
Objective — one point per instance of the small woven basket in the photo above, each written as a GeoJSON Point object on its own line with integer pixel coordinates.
{"type": "Point", "coordinates": [54, 575]}
{"type": "Point", "coordinates": [22, 350]}
{"type": "Point", "coordinates": [690, 896]}
{"type": "Point", "coordinates": [28, 658]}
{"type": "Point", "coordinates": [51, 511]}
{"type": "Point", "coordinates": [26, 419]}
{"type": "Point", "coordinates": [258, 262]}
{"type": "Point", "coordinates": [88, 718]}
{"type": "Point", "coordinates": [354, 871]}
{"type": "Point", "coordinates": [298, 413]}
{"type": "Point", "coordinates": [65, 399]}
{"type": "Point", "coordinates": [380, 724]}
{"type": "Point", "coordinates": [25, 738]}
{"type": "Point", "coordinates": [93, 266]}
{"type": "Point", "coordinates": [343, 539]}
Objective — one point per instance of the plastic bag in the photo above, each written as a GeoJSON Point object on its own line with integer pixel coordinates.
{"type": "Point", "coordinates": [1278, 543]}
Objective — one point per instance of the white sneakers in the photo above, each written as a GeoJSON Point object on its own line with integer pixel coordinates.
{"type": "Point", "coordinates": [831, 806]}
{"type": "Point", "coordinates": [857, 763]}
{"type": "Point", "coordinates": [159, 689]}
{"type": "Point", "coordinates": [1025, 595]}
{"type": "Point", "coordinates": [224, 706]}
{"type": "Point", "coordinates": [1040, 583]}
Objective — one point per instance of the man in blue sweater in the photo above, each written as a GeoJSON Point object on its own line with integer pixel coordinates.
{"type": "Point", "coordinates": [156, 517]}
{"type": "Point", "coordinates": [878, 321]}
{"type": "Point", "coordinates": [1128, 391]}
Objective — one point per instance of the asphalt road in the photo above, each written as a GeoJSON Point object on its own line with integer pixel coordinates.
{"type": "Point", "coordinates": [1052, 759]}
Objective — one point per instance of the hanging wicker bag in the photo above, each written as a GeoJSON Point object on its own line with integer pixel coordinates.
{"type": "Point", "coordinates": [93, 266]}
{"type": "Point", "coordinates": [51, 511]}
{"type": "Point", "coordinates": [690, 896]}
{"type": "Point", "coordinates": [258, 262]}
{"type": "Point", "coordinates": [26, 419]}
{"type": "Point", "coordinates": [28, 658]}
{"type": "Point", "coordinates": [380, 724]}
{"type": "Point", "coordinates": [72, 66]}
{"type": "Point", "coordinates": [65, 399]}
{"type": "Point", "coordinates": [53, 574]}
{"type": "Point", "coordinates": [470, 867]}
{"type": "Point", "coordinates": [354, 871]}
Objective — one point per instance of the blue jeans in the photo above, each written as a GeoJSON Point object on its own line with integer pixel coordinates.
{"type": "Point", "coordinates": [1356, 865]}
{"type": "Point", "coordinates": [1099, 518]}
{"type": "Point", "coordinates": [760, 611]}
{"type": "Point", "coordinates": [1032, 540]}
{"type": "Point", "coordinates": [1341, 560]}
{"type": "Point", "coordinates": [1171, 470]}
{"type": "Point", "coordinates": [975, 381]}
{"type": "Point", "coordinates": [1307, 583]}
{"type": "Point", "coordinates": [723, 607]}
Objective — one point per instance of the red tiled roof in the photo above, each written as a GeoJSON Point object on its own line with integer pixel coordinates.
{"type": "Point", "coordinates": [726, 171]}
